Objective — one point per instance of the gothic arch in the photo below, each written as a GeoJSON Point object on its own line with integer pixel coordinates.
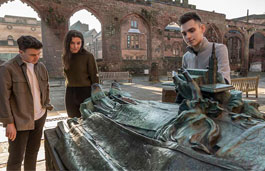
{"type": "Point", "coordinates": [28, 3]}
{"type": "Point", "coordinates": [258, 34]}
{"type": "Point", "coordinates": [257, 48]}
{"type": "Point", "coordinates": [136, 15]}
{"type": "Point", "coordinates": [176, 49]}
{"type": "Point", "coordinates": [171, 21]}
{"type": "Point", "coordinates": [172, 40]}
{"type": "Point", "coordinates": [10, 37]}
{"type": "Point", "coordinates": [234, 41]}
{"type": "Point", "coordinates": [168, 24]}
{"type": "Point", "coordinates": [92, 38]}
{"type": "Point", "coordinates": [212, 33]}
{"type": "Point", "coordinates": [84, 7]}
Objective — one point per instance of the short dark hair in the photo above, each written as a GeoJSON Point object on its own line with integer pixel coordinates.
{"type": "Point", "coordinates": [189, 16]}
{"type": "Point", "coordinates": [26, 42]}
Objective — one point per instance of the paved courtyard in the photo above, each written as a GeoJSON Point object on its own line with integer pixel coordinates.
{"type": "Point", "coordinates": [140, 88]}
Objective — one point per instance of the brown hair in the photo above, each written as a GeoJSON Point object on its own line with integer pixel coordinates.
{"type": "Point", "coordinates": [189, 16]}
{"type": "Point", "coordinates": [66, 50]}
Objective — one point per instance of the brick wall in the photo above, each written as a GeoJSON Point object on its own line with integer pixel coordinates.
{"type": "Point", "coordinates": [55, 15]}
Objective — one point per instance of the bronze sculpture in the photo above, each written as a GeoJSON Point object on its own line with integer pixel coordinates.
{"type": "Point", "coordinates": [212, 129]}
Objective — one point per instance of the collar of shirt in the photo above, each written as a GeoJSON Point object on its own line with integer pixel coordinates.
{"type": "Point", "coordinates": [20, 61]}
{"type": "Point", "coordinates": [203, 45]}
{"type": "Point", "coordinates": [30, 65]}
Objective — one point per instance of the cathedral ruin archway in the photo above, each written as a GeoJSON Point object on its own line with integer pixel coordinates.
{"type": "Point", "coordinates": [213, 34]}
{"type": "Point", "coordinates": [234, 41]}
{"type": "Point", "coordinates": [14, 23]}
{"type": "Point", "coordinates": [257, 52]}
{"type": "Point", "coordinates": [173, 47]}
{"type": "Point", "coordinates": [90, 26]}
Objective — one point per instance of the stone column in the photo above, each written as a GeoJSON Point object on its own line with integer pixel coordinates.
{"type": "Point", "coordinates": [245, 62]}
{"type": "Point", "coordinates": [53, 32]}
{"type": "Point", "coordinates": [154, 75]}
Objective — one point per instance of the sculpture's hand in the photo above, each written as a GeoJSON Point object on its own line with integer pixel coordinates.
{"type": "Point", "coordinates": [195, 89]}
{"type": "Point", "coordinates": [182, 87]}
{"type": "Point", "coordinates": [178, 81]}
{"type": "Point", "coordinates": [186, 75]}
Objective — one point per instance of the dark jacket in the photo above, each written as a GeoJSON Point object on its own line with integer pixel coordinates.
{"type": "Point", "coordinates": [16, 101]}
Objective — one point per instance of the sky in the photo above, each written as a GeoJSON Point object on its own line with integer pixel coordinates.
{"type": "Point", "coordinates": [17, 8]}
{"type": "Point", "coordinates": [90, 19]}
{"type": "Point", "coordinates": [231, 8]}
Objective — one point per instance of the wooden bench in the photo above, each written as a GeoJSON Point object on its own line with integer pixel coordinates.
{"type": "Point", "coordinates": [114, 76]}
{"type": "Point", "coordinates": [246, 84]}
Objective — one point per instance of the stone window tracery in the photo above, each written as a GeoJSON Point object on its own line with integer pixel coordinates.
{"type": "Point", "coordinates": [133, 41]}
{"type": "Point", "coordinates": [134, 24]}
{"type": "Point", "coordinates": [213, 34]}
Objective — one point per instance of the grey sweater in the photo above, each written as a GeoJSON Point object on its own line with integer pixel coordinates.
{"type": "Point", "coordinates": [201, 60]}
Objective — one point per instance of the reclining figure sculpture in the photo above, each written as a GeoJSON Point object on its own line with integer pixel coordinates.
{"type": "Point", "coordinates": [212, 129]}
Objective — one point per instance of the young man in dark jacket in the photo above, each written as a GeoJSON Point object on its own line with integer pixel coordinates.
{"type": "Point", "coordinates": [24, 102]}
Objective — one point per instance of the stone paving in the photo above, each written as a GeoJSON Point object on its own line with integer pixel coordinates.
{"type": "Point", "coordinates": [140, 88]}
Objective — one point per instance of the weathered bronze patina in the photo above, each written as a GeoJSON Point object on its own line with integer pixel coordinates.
{"type": "Point", "coordinates": [212, 129]}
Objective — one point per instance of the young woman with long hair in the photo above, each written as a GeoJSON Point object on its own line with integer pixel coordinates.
{"type": "Point", "coordinates": [80, 70]}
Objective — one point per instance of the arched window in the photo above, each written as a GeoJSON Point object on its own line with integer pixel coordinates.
{"type": "Point", "coordinates": [172, 39]}
{"type": "Point", "coordinates": [213, 34]}
{"type": "Point", "coordinates": [234, 41]}
{"type": "Point", "coordinates": [133, 41]}
{"type": "Point", "coordinates": [235, 52]}
{"type": "Point", "coordinates": [89, 25]}
{"type": "Point", "coordinates": [9, 37]}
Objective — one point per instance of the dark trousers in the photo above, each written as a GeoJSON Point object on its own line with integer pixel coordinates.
{"type": "Point", "coordinates": [74, 97]}
{"type": "Point", "coordinates": [27, 143]}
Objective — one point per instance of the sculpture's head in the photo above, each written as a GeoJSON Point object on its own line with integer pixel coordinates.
{"type": "Point", "coordinates": [96, 88]}
{"type": "Point", "coordinates": [115, 89]}
{"type": "Point", "coordinates": [97, 92]}
{"type": "Point", "coordinates": [116, 86]}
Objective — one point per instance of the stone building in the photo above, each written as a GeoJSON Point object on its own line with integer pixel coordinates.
{"type": "Point", "coordinates": [133, 39]}
{"type": "Point", "coordinates": [97, 42]}
{"type": "Point", "coordinates": [11, 28]}
{"type": "Point", "coordinates": [94, 43]}
{"type": "Point", "coordinates": [130, 45]}
{"type": "Point", "coordinates": [80, 27]}
{"type": "Point", "coordinates": [133, 43]}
